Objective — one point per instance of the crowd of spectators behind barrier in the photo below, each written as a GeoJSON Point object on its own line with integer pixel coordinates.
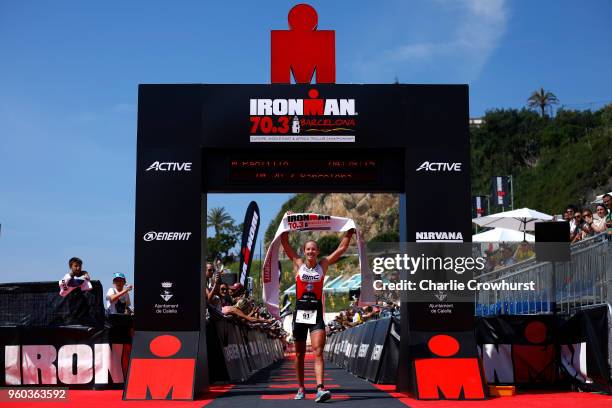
{"type": "Point", "coordinates": [233, 303]}
{"type": "Point", "coordinates": [355, 315]}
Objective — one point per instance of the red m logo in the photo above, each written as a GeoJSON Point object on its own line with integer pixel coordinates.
{"type": "Point", "coordinates": [303, 50]}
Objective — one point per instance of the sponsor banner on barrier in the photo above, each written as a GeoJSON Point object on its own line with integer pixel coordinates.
{"type": "Point", "coordinates": [65, 357]}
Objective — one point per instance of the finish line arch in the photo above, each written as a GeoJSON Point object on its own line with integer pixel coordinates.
{"type": "Point", "coordinates": [195, 139]}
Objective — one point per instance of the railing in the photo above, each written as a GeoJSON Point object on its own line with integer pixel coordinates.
{"type": "Point", "coordinates": [585, 280]}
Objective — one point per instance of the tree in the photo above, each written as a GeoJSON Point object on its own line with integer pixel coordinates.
{"type": "Point", "coordinates": [542, 99]}
{"type": "Point", "coordinates": [218, 219]}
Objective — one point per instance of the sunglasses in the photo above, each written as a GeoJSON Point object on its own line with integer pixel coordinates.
{"type": "Point", "coordinates": [587, 215]}
{"type": "Point", "coordinates": [210, 270]}
{"type": "Point", "coordinates": [223, 290]}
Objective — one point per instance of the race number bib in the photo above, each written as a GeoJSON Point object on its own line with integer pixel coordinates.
{"type": "Point", "coordinates": [306, 316]}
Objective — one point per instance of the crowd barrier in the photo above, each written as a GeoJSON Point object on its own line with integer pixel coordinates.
{"type": "Point", "coordinates": [581, 282]}
{"type": "Point", "coordinates": [49, 340]}
{"type": "Point", "coordinates": [525, 350]}
{"type": "Point", "coordinates": [244, 351]}
{"type": "Point", "coordinates": [370, 350]}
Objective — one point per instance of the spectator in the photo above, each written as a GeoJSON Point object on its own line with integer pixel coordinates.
{"type": "Point", "coordinates": [569, 215]}
{"type": "Point", "coordinates": [607, 200]}
{"type": "Point", "coordinates": [587, 226]}
{"type": "Point", "coordinates": [599, 223]}
{"type": "Point", "coordinates": [507, 256]}
{"type": "Point", "coordinates": [576, 233]}
{"type": "Point", "coordinates": [224, 297]}
{"type": "Point", "coordinates": [76, 278]}
{"type": "Point", "coordinates": [236, 290]}
{"type": "Point", "coordinates": [118, 297]}
{"type": "Point", "coordinates": [523, 252]}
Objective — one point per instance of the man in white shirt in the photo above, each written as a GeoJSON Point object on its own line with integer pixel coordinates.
{"type": "Point", "coordinates": [118, 297]}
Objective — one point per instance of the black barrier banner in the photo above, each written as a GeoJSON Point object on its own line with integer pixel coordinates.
{"type": "Point", "coordinates": [518, 349]}
{"type": "Point", "coordinates": [249, 238]}
{"type": "Point", "coordinates": [387, 372]}
{"type": "Point", "coordinates": [379, 339]}
{"type": "Point", "coordinates": [365, 349]}
{"type": "Point", "coordinates": [38, 304]}
{"type": "Point", "coordinates": [245, 350]}
{"type": "Point", "coordinates": [74, 358]}
{"type": "Point", "coordinates": [584, 349]}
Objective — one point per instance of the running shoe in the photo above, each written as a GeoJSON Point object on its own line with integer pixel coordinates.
{"type": "Point", "coordinates": [322, 395]}
{"type": "Point", "coordinates": [299, 395]}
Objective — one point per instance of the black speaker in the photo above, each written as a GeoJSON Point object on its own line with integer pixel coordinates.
{"type": "Point", "coordinates": [552, 241]}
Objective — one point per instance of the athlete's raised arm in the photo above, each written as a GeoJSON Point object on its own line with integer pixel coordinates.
{"type": "Point", "coordinates": [288, 250]}
{"type": "Point", "coordinates": [344, 244]}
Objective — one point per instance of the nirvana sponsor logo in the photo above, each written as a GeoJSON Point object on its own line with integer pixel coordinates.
{"type": "Point", "coordinates": [166, 236]}
{"type": "Point", "coordinates": [312, 117]}
{"type": "Point", "coordinates": [309, 221]}
{"type": "Point", "coordinates": [169, 166]}
{"type": "Point", "coordinates": [439, 236]}
{"type": "Point", "coordinates": [439, 167]}
{"type": "Point", "coordinates": [70, 364]}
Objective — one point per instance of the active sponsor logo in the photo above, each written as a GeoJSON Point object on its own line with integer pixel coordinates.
{"type": "Point", "coordinates": [439, 236]}
{"type": "Point", "coordinates": [166, 236]}
{"type": "Point", "coordinates": [439, 167]}
{"type": "Point", "coordinates": [303, 120]}
{"type": "Point", "coordinates": [170, 166]}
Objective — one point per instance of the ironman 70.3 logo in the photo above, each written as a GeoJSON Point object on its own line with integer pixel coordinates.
{"type": "Point", "coordinates": [313, 119]}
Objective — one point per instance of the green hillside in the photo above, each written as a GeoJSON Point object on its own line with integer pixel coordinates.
{"type": "Point", "coordinates": [555, 161]}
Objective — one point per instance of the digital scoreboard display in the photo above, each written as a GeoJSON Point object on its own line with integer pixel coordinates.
{"type": "Point", "coordinates": [297, 170]}
{"type": "Point", "coordinates": [344, 170]}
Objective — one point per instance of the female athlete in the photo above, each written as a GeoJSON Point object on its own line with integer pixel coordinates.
{"type": "Point", "coordinates": [308, 316]}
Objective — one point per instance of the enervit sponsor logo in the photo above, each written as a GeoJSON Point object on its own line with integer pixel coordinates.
{"type": "Point", "coordinates": [166, 236]}
{"type": "Point", "coordinates": [440, 167]}
{"type": "Point", "coordinates": [439, 237]}
{"type": "Point", "coordinates": [170, 166]}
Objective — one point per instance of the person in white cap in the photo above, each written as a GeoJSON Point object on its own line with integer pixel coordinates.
{"type": "Point", "coordinates": [118, 297]}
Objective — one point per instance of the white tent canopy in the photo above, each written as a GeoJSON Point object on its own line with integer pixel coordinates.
{"type": "Point", "coordinates": [502, 235]}
{"type": "Point", "coordinates": [523, 219]}
{"type": "Point", "coordinates": [599, 198]}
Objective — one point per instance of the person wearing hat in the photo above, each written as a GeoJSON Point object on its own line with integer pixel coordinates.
{"type": "Point", "coordinates": [118, 297]}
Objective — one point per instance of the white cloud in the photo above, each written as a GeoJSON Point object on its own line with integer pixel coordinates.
{"type": "Point", "coordinates": [475, 32]}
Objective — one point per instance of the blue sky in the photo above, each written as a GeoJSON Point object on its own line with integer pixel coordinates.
{"type": "Point", "coordinates": [69, 73]}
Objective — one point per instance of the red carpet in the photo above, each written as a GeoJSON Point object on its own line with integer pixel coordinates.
{"type": "Point", "coordinates": [348, 391]}
{"type": "Point", "coordinates": [521, 400]}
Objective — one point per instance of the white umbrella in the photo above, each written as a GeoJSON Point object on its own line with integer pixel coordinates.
{"type": "Point", "coordinates": [599, 198]}
{"type": "Point", "coordinates": [502, 235]}
{"type": "Point", "coordinates": [523, 219]}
